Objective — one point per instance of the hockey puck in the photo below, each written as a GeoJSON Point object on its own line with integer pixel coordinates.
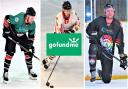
{"type": "Point", "coordinates": [47, 84]}
{"type": "Point", "coordinates": [51, 86]}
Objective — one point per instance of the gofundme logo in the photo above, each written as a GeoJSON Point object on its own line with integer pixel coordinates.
{"type": "Point", "coordinates": [71, 43]}
{"type": "Point", "coordinates": [63, 44]}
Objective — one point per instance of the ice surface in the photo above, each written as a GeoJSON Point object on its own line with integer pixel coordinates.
{"type": "Point", "coordinates": [115, 84]}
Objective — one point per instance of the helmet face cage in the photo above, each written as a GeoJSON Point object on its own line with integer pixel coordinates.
{"type": "Point", "coordinates": [30, 11]}
{"type": "Point", "coordinates": [67, 5]}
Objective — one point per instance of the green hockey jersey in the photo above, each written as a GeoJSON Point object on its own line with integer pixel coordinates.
{"type": "Point", "coordinates": [20, 26]}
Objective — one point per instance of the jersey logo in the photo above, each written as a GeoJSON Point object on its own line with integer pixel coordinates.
{"type": "Point", "coordinates": [16, 19]}
{"type": "Point", "coordinates": [105, 30]}
{"type": "Point", "coordinates": [106, 42]}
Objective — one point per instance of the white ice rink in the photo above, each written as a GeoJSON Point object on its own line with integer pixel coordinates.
{"type": "Point", "coordinates": [115, 84]}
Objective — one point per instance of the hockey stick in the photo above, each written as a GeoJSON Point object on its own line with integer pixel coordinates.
{"type": "Point", "coordinates": [108, 53]}
{"type": "Point", "coordinates": [48, 83]}
{"type": "Point", "coordinates": [22, 47]}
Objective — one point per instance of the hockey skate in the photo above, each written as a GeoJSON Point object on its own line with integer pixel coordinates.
{"type": "Point", "coordinates": [93, 76]}
{"type": "Point", "coordinates": [32, 75]}
{"type": "Point", "coordinates": [99, 73]}
{"type": "Point", "coordinates": [47, 61]}
{"type": "Point", "coordinates": [5, 77]}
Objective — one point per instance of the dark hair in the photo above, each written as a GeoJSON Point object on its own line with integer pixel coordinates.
{"type": "Point", "coordinates": [67, 5]}
{"type": "Point", "coordinates": [108, 6]}
{"type": "Point", "coordinates": [30, 11]}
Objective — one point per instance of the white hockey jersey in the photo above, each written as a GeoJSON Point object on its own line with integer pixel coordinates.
{"type": "Point", "coordinates": [62, 24]}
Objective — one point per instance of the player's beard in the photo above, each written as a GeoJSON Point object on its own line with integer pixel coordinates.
{"type": "Point", "coordinates": [27, 21]}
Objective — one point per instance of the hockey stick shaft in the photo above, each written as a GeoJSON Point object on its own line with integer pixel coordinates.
{"type": "Point", "coordinates": [53, 68]}
{"type": "Point", "coordinates": [22, 47]}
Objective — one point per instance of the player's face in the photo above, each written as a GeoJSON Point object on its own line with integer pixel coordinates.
{"type": "Point", "coordinates": [109, 13]}
{"type": "Point", "coordinates": [67, 12]}
{"type": "Point", "coordinates": [29, 19]}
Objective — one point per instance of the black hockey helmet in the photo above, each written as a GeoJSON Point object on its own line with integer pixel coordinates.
{"type": "Point", "coordinates": [30, 11]}
{"type": "Point", "coordinates": [67, 5]}
{"type": "Point", "coordinates": [108, 6]}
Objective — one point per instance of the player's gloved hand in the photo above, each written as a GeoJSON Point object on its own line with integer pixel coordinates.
{"type": "Point", "coordinates": [6, 25]}
{"type": "Point", "coordinates": [92, 38]}
{"type": "Point", "coordinates": [123, 60]}
{"type": "Point", "coordinates": [32, 49]}
{"type": "Point", "coordinates": [69, 31]}
{"type": "Point", "coordinates": [76, 27]}
{"type": "Point", "coordinates": [93, 35]}
{"type": "Point", "coordinates": [30, 42]}
{"type": "Point", "coordinates": [6, 33]}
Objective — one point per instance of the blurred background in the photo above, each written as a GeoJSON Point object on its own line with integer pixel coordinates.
{"type": "Point", "coordinates": [94, 8]}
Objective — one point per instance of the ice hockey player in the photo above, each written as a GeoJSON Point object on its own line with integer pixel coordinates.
{"type": "Point", "coordinates": [66, 21]}
{"type": "Point", "coordinates": [104, 32]}
{"type": "Point", "coordinates": [17, 28]}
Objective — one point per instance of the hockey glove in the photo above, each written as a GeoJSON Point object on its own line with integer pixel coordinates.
{"type": "Point", "coordinates": [92, 38]}
{"type": "Point", "coordinates": [32, 49]}
{"type": "Point", "coordinates": [6, 33]}
{"type": "Point", "coordinates": [76, 27]}
{"type": "Point", "coordinates": [123, 61]}
{"type": "Point", "coordinates": [71, 31]}
{"type": "Point", "coordinates": [6, 25]}
{"type": "Point", "coordinates": [93, 35]}
{"type": "Point", "coordinates": [30, 42]}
